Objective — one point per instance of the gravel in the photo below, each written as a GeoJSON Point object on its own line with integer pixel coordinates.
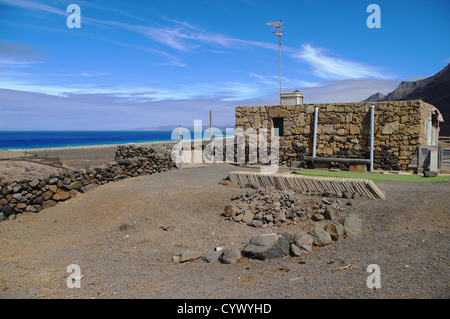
{"type": "Point", "coordinates": [407, 235]}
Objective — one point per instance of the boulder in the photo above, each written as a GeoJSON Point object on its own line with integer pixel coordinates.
{"type": "Point", "coordinates": [320, 236]}
{"type": "Point", "coordinates": [230, 255]}
{"type": "Point", "coordinates": [268, 246]}
{"type": "Point", "coordinates": [352, 225]}
{"type": "Point", "coordinates": [213, 255]}
{"type": "Point", "coordinates": [303, 241]}
{"type": "Point", "coordinates": [330, 213]}
{"type": "Point", "coordinates": [335, 229]}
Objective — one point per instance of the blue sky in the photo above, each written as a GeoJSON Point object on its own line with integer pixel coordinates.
{"type": "Point", "coordinates": [136, 64]}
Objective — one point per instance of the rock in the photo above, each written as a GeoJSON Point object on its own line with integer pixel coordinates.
{"type": "Point", "coordinates": [303, 241]}
{"type": "Point", "coordinates": [335, 229]}
{"type": "Point", "coordinates": [430, 174]}
{"type": "Point", "coordinates": [17, 196]}
{"type": "Point", "coordinates": [295, 251]}
{"type": "Point", "coordinates": [76, 185]}
{"type": "Point", "coordinates": [213, 255]}
{"type": "Point", "coordinates": [53, 188]}
{"type": "Point", "coordinates": [53, 181]}
{"type": "Point", "coordinates": [47, 195]}
{"type": "Point", "coordinates": [61, 195]}
{"type": "Point", "coordinates": [67, 181]}
{"type": "Point", "coordinates": [186, 255]}
{"type": "Point", "coordinates": [6, 190]}
{"type": "Point", "coordinates": [231, 210]}
{"type": "Point", "coordinates": [281, 216]}
{"type": "Point", "coordinates": [347, 195]}
{"type": "Point", "coordinates": [21, 206]}
{"type": "Point", "coordinates": [320, 236]}
{"type": "Point", "coordinates": [317, 217]}
{"type": "Point", "coordinates": [389, 128]}
{"type": "Point", "coordinates": [2, 217]}
{"type": "Point", "coordinates": [267, 246]}
{"type": "Point", "coordinates": [34, 182]}
{"type": "Point", "coordinates": [238, 218]}
{"type": "Point", "coordinates": [330, 213]}
{"type": "Point", "coordinates": [7, 210]}
{"type": "Point", "coordinates": [328, 193]}
{"type": "Point", "coordinates": [256, 223]}
{"type": "Point", "coordinates": [48, 204]}
{"type": "Point", "coordinates": [295, 164]}
{"type": "Point", "coordinates": [87, 188]}
{"type": "Point", "coordinates": [352, 226]}
{"type": "Point", "coordinates": [230, 255]}
{"type": "Point", "coordinates": [247, 217]}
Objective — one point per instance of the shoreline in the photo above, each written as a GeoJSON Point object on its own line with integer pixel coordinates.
{"type": "Point", "coordinates": [94, 146]}
{"type": "Point", "coordinates": [97, 146]}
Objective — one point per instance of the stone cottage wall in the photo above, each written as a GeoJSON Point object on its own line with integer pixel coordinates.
{"type": "Point", "coordinates": [344, 130]}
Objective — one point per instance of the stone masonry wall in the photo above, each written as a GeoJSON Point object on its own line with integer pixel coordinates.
{"type": "Point", "coordinates": [344, 130]}
{"type": "Point", "coordinates": [33, 195]}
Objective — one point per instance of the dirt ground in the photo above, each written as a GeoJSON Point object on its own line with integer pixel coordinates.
{"type": "Point", "coordinates": [407, 235]}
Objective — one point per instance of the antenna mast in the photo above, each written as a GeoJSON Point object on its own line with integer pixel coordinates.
{"type": "Point", "coordinates": [277, 29]}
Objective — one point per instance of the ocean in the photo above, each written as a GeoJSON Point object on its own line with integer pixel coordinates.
{"type": "Point", "coordinates": [10, 140]}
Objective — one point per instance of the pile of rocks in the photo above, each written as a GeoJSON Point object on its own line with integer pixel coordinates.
{"type": "Point", "coordinates": [268, 207]}
{"type": "Point", "coordinates": [33, 195]}
{"type": "Point", "coordinates": [273, 245]}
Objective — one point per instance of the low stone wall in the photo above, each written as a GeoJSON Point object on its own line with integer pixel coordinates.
{"type": "Point", "coordinates": [33, 195]}
{"type": "Point", "coordinates": [344, 128]}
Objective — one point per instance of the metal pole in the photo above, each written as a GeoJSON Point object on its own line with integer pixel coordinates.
{"type": "Point", "coordinates": [211, 134]}
{"type": "Point", "coordinates": [280, 71]}
{"type": "Point", "coordinates": [372, 107]}
{"type": "Point", "coordinates": [316, 113]}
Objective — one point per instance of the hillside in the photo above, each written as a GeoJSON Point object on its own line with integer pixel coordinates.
{"type": "Point", "coordinates": [434, 90]}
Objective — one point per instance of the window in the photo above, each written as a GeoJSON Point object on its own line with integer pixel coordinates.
{"type": "Point", "coordinates": [279, 124]}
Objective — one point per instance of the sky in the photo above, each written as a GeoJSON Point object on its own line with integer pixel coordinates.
{"type": "Point", "coordinates": [139, 64]}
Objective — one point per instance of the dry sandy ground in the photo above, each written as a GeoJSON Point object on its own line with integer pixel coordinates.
{"type": "Point", "coordinates": [407, 235]}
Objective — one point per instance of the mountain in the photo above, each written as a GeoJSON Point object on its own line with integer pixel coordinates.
{"type": "Point", "coordinates": [434, 90]}
{"type": "Point", "coordinates": [375, 97]}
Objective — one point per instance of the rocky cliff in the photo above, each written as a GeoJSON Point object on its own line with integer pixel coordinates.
{"type": "Point", "coordinates": [434, 90]}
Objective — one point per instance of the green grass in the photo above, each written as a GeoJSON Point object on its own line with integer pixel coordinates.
{"type": "Point", "coordinates": [375, 177]}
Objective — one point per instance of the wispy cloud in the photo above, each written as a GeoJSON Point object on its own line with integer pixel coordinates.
{"type": "Point", "coordinates": [333, 68]}
{"type": "Point", "coordinates": [12, 62]}
{"type": "Point", "coordinates": [185, 37]}
{"type": "Point", "coordinates": [34, 5]}
{"type": "Point", "coordinates": [273, 81]}
{"type": "Point", "coordinates": [227, 91]}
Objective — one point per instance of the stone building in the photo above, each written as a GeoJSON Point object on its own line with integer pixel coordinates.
{"type": "Point", "coordinates": [343, 130]}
